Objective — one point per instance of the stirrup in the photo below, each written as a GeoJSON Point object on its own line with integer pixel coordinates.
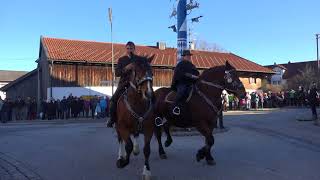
{"type": "Point", "coordinates": [176, 111]}
{"type": "Point", "coordinates": [158, 121]}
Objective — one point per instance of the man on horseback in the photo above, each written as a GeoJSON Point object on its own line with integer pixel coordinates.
{"type": "Point", "coordinates": [184, 76]}
{"type": "Point", "coordinates": [121, 72]}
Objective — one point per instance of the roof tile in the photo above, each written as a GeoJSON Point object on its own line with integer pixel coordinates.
{"type": "Point", "coordinates": [99, 52]}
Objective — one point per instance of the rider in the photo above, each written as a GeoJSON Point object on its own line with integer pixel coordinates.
{"type": "Point", "coordinates": [184, 76]}
{"type": "Point", "coordinates": [123, 82]}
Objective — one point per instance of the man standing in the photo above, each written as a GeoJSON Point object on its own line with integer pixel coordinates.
{"type": "Point", "coordinates": [184, 76]}
{"type": "Point", "coordinates": [1, 105]}
{"type": "Point", "coordinates": [123, 82]}
{"type": "Point", "coordinates": [313, 94]}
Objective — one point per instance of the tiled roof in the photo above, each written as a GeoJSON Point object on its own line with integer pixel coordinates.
{"type": "Point", "coordinates": [19, 79]}
{"type": "Point", "coordinates": [276, 65]}
{"type": "Point", "coordinates": [100, 52]}
{"type": "Point", "coordinates": [8, 76]}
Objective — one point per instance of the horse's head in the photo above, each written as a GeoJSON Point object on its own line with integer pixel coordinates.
{"type": "Point", "coordinates": [141, 76]}
{"type": "Point", "coordinates": [232, 81]}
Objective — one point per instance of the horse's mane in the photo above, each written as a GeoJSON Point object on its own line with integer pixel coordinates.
{"type": "Point", "coordinates": [216, 69]}
{"type": "Point", "coordinates": [142, 61]}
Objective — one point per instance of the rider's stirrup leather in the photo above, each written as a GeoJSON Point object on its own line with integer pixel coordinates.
{"type": "Point", "coordinates": [176, 111]}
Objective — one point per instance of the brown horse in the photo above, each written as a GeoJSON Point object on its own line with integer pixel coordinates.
{"type": "Point", "coordinates": [134, 114]}
{"type": "Point", "coordinates": [201, 111]}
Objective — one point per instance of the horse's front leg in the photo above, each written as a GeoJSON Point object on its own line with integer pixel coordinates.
{"type": "Point", "coordinates": [125, 149]}
{"type": "Point", "coordinates": [136, 149]}
{"type": "Point", "coordinates": [148, 132]}
{"type": "Point", "coordinates": [205, 152]}
{"type": "Point", "coordinates": [209, 143]}
{"type": "Point", "coordinates": [166, 128]}
{"type": "Point", "coordinates": [158, 134]}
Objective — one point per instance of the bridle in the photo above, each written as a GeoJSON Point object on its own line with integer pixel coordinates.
{"type": "Point", "coordinates": [228, 80]}
{"type": "Point", "coordinates": [136, 85]}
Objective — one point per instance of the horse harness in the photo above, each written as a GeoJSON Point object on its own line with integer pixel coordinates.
{"type": "Point", "coordinates": [129, 107]}
{"type": "Point", "coordinates": [227, 78]}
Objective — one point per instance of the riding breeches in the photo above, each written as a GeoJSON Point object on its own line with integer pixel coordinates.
{"type": "Point", "coordinates": [114, 101]}
{"type": "Point", "coordinates": [182, 93]}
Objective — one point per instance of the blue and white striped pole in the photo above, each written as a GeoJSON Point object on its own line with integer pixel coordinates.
{"type": "Point", "coordinates": [182, 28]}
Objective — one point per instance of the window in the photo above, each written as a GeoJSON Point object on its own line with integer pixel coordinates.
{"type": "Point", "coordinates": [252, 80]}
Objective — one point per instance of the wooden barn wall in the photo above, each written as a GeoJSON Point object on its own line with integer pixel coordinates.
{"type": "Point", "coordinates": [70, 75]}
{"type": "Point", "coordinates": [25, 88]}
{"type": "Point", "coordinates": [73, 75]}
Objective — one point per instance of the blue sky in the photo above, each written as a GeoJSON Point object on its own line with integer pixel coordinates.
{"type": "Point", "coordinates": [264, 31]}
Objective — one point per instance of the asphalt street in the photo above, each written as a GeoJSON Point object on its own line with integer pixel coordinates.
{"type": "Point", "coordinates": [270, 144]}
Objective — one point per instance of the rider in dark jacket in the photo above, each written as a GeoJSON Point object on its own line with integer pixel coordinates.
{"type": "Point", "coordinates": [184, 76]}
{"type": "Point", "coordinates": [121, 72]}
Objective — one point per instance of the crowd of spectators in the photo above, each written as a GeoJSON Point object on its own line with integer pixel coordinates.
{"type": "Point", "coordinates": [260, 100]}
{"type": "Point", "coordinates": [66, 108]}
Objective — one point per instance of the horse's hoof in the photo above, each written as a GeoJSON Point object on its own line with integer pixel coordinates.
{"type": "Point", "coordinates": [145, 177]}
{"type": "Point", "coordinates": [121, 163]}
{"type": "Point", "coordinates": [211, 162]}
{"type": "Point", "coordinates": [199, 157]}
{"type": "Point", "coordinates": [163, 156]}
{"type": "Point", "coordinates": [167, 143]}
{"type": "Point", "coordinates": [136, 151]}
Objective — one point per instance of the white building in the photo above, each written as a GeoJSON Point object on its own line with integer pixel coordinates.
{"type": "Point", "coordinates": [7, 77]}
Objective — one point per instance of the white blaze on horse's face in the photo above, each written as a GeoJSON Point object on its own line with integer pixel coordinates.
{"type": "Point", "coordinates": [228, 77]}
{"type": "Point", "coordinates": [149, 89]}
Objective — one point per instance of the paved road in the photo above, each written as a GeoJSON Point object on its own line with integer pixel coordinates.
{"type": "Point", "coordinates": [259, 145]}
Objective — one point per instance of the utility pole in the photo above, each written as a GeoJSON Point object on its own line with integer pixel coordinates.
{"type": "Point", "coordinates": [182, 28]}
{"type": "Point", "coordinates": [112, 58]}
{"type": "Point", "coordinates": [317, 39]}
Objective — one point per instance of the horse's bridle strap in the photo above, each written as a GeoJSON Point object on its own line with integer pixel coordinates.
{"type": "Point", "coordinates": [208, 101]}
{"type": "Point", "coordinates": [216, 85]}
{"type": "Point", "coordinates": [133, 113]}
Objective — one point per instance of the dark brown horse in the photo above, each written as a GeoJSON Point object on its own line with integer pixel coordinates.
{"type": "Point", "coordinates": [201, 111]}
{"type": "Point", "coordinates": [134, 114]}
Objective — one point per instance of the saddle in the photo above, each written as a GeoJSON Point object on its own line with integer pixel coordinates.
{"type": "Point", "coordinates": [171, 96]}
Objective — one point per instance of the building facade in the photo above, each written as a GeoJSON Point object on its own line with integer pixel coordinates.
{"type": "Point", "coordinates": [84, 67]}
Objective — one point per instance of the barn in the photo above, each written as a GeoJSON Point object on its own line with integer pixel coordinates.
{"type": "Point", "coordinates": [80, 67]}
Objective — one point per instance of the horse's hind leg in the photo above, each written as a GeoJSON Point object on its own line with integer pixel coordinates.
{"type": "Point", "coordinates": [158, 134]}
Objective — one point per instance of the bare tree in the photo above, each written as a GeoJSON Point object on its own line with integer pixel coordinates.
{"type": "Point", "coordinates": [203, 45]}
{"type": "Point", "coordinates": [305, 78]}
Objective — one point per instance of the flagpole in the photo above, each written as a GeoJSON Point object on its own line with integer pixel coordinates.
{"type": "Point", "coordinates": [112, 58]}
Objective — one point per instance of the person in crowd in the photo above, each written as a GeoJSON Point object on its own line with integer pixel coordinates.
{"type": "Point", "coordinates": [313, 96]}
